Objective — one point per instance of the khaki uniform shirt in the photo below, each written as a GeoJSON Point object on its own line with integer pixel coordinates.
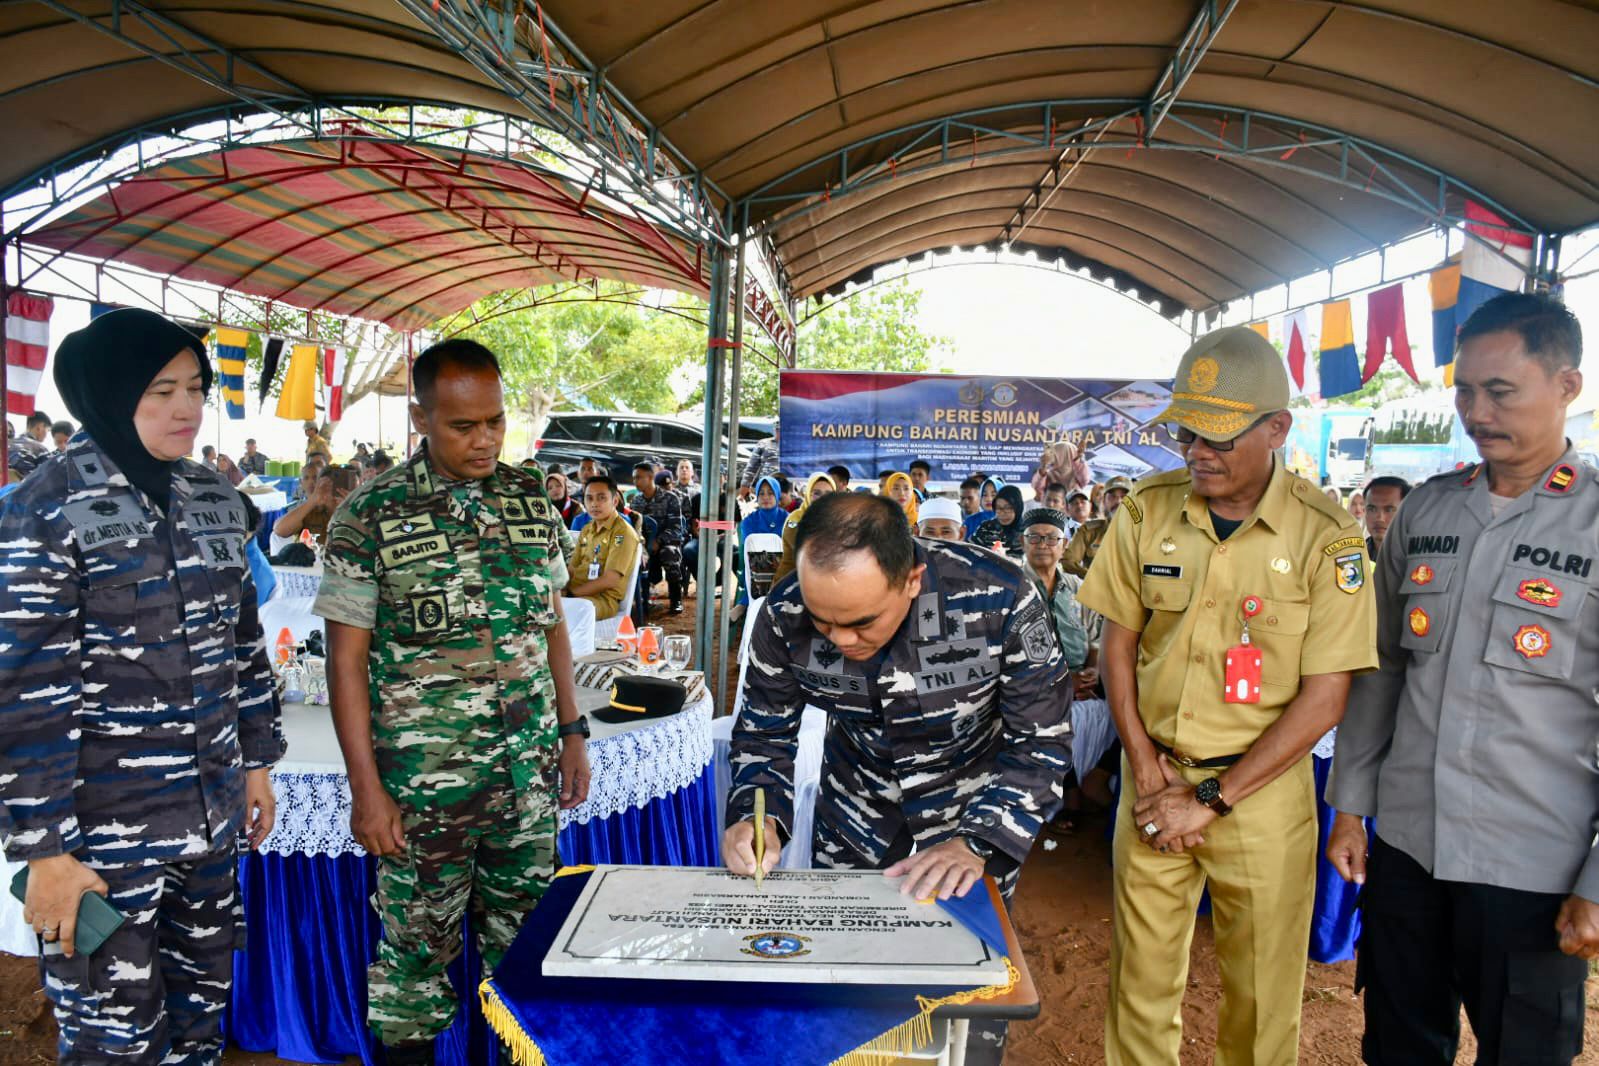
{"type": "Point", "coordinates": [612, 545]}
{"type": "Point", "coordinates": [1084, 545]}
{"type": "Point", "coordinates": [1163, 573]}
{"type": "Point", "coordinates": [1474, 743]}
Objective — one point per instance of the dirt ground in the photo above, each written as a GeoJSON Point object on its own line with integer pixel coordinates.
{"type": "Point", "coordinates": [1063, 919]}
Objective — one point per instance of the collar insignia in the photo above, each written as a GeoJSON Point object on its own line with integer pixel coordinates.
{"type": "Point", "coordinates": [1562, 478]}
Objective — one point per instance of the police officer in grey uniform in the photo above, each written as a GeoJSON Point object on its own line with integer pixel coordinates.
{"type": "Point", "coordinates": [137, 710]}
{"type": "Point", "coordinates": [948, 736]}
{"type": "Point", "coordinates": [1474, 743]}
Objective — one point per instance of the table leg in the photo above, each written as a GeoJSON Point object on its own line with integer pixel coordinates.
{"type": "Point", "coordinates": [957, 1041]}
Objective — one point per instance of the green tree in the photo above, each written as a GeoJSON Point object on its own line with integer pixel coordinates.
{"type": "Point", "coordinates": [608, 352]}
{"type": "Point", "coordinates": [874, 330]}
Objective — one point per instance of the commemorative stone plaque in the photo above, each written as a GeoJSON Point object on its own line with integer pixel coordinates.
{"type": "Point", "coordinates": [806, 926]}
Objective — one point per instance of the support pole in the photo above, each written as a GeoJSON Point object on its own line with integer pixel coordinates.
{"type": "Point", "coordinates": [5, 303]}
{"type": "Point", "coordinates": [729, 582]}
{"type": "Point", "coordinates": [710, 461]}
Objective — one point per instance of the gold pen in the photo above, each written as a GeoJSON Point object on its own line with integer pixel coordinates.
{"type": "Point", "coordinates": [760, 836]}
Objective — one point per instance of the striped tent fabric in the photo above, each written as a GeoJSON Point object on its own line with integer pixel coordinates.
{"type": "Point", "coordinates": [27, 344]}
{"type": "Point", "coordinates": [378, 231]}
{"type": "Point", "coordinates": [231, 344]}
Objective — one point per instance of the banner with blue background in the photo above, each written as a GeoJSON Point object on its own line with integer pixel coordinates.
{"type": "Point", "coordinates": [965, 423]}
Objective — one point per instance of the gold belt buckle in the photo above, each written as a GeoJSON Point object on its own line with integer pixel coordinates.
{"type": "Point", "coordinates": [1185, 760]}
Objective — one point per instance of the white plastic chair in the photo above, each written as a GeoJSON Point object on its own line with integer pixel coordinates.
{"type": "Point", "coordinates": [605, 629]}
{"type": "Point", "coordinates": [759, 543]}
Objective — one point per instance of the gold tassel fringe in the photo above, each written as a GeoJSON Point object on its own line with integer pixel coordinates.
{"type": "Point", "coordinates": [523, 1051]}
{"type": "Point", "coordinates": [917, 1032]}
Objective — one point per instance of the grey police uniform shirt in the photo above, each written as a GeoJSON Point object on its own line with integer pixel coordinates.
{"type": "Point", "coordinates": [963, 728]}
{"type": "Point", "coordinates": [1473, 743]}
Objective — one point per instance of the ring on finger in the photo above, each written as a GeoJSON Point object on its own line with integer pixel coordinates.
{"type": "Point", "coordinates": [1151, 829]}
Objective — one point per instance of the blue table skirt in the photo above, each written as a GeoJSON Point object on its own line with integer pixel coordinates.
{"type": "Point", "coordinates": [299, 990]}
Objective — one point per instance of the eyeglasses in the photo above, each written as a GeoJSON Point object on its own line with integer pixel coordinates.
{"type": "Point", "coordinates": [1185, 436]}
{"type": "Point", "coordinates": [1040, 538]}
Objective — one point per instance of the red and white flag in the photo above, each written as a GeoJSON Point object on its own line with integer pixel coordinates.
{"type": "Point", "coordinates": [333, 378]}
{"type": "Point", "coordinates": [27, 343]}
{"type": "Point", "coordinates": [1304, 378]}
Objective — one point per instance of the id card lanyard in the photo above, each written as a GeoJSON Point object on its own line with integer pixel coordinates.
{"type": "Point", "coordinates": [1243, 660]}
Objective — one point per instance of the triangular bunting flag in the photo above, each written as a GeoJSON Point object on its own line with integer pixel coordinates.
{"type": "Point", "coordinates": [1262, 328]}
{"type": "Point", "coordinates": [231, 344]}
{"type": "Point", "coordinates": [27, 345]}
{"type": "Point", "coordinates": [1340, 373]}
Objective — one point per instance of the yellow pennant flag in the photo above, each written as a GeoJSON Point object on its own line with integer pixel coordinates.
{"type": "Point", "coordinates": [1262, 328]}
{"type": "Point", "coordinates": [297, 401]}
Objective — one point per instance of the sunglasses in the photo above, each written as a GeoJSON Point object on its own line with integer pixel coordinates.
{"type": "Point", "coordinates": [1185, 436]}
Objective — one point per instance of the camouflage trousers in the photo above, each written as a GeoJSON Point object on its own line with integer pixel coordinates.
{"type": "Point", "coordinates": [494, 857]}
{"type": "Point", "coordinates": [831, 850]}
{"type": "Point", "coordinates": [153, 993]}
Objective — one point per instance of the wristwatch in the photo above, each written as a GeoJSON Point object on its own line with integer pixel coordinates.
{"type": "Point", "coordinates": [978, 846]}
{"type": "Point", "coordinates": [1208, 792]}
{"type": "Point", "coordinates": [577, 727]}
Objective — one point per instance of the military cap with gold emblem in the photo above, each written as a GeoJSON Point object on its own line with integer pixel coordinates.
{"type": "Point", "coordinates": [1227, 380]}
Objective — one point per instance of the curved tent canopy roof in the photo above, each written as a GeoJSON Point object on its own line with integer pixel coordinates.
{"type": "Point", "coordinates": [384, 231]}
{"type": "Point", "coordinates": [1194, 166]}
{"type": "Point", "coordinates": [770, 98]}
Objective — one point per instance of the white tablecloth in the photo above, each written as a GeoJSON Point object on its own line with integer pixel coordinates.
{"type": "Point", "coordinates": [631, 765]}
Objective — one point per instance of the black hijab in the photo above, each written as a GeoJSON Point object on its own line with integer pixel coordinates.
{"type": "Point", "coordinates": [102, 371]}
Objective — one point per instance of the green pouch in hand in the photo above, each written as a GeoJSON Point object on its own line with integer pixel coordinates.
{"type": "Point", "coordinates": [97, 919]}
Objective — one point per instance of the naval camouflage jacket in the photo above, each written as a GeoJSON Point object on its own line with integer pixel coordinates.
{"type": "Point", "coordinates": [962, 729]}
{"type": "Point", "coordinates": [458, 582]}
{"type": "Point", "coordinates": [135, 688]}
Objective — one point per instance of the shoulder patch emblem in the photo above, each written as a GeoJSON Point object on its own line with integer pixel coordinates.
{"type": "Point", "coordinates": [1038, 641]}
{"type": "Point", "coordinates": [1540, 592]}
{"type": "Point", "coordinates": [1561, 480]}
{"type": "Point", "coordinates": [1350, 572]}
{"type": "Point", "coordinates": [1132, 510]}
{"type": "Point", "coordinates": [1532, 642]}
{"type": "Point", "coordinates": [1339, 545]}
{"type": "Point", "coordinates": [1422, 575]}
{"type": "Point", "coordinates": [1420, 622]}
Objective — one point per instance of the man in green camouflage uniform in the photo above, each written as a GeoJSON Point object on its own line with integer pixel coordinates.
{"type": "Point", "coordinates": [451, 680]}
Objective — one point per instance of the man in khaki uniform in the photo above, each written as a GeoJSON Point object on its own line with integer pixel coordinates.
{"type": "Point", "coordinates": [607, 550]}
{"type": "Point", "coordinates": [1085, 542]}
{"type": "Point", "coordinates": [1218, 792]}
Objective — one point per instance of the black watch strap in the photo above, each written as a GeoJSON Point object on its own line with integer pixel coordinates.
{"type": "Point", "coordinates": [578, 727]}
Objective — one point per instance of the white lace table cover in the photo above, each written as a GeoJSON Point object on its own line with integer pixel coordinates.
{"type": "Point", "coordinates": [629, 770]}
{"type": "Point", "coordinates": [1325, 746]}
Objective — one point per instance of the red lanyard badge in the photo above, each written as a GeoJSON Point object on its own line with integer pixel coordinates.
{"type": "Point", "coordinates": [1243, 660]}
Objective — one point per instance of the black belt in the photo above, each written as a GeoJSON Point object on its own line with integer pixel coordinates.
{"type": "Point", "coordinates": [1218, 763]}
